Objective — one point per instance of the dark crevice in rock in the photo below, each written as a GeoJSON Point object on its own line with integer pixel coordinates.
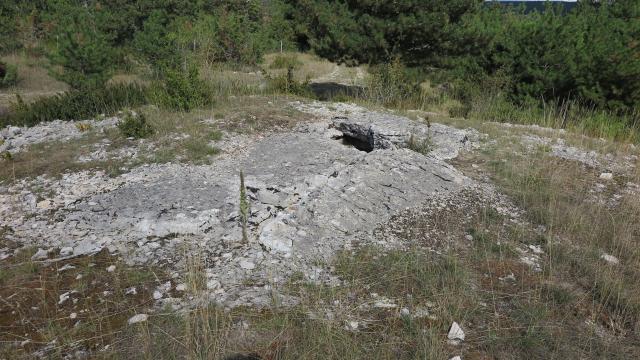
{"type": "Point", "coordinates": [355, 143]}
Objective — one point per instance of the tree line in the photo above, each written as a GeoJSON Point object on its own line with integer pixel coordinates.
{"type": "Point", "coordinates": [590, 53]}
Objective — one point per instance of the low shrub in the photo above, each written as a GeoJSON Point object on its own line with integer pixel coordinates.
{"type": "Point", "coordinates": [75, 105]}
{"type": "Point", "coordinates": [134, 125]}
{"type": "Point", "coordinates": [181, 90]}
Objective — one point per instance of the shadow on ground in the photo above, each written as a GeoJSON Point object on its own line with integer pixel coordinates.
{"type": "Point", "coordinates": [330, 90]}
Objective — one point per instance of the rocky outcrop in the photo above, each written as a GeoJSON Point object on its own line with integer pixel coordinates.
{"type": "Point", "coordinates": [309, 195]}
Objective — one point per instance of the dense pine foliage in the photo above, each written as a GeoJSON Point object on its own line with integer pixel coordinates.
{"type": "Point", "coordinates": [589, 54]}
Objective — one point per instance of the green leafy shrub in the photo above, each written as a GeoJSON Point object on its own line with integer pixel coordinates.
{"type": "Point", "coordinates": [8, 75]}
{"type": "Point", "coordinates": [134, 125]}
{"type": "Point", "coordinates": [8, 27]}
{"type": "Point", "coordinates": [182, 90]}
{"type": "Point", "coordinates": [75, 105]}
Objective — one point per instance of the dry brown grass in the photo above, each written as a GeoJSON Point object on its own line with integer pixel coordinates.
{"type": "Point", "coordinates": [318, 70]}
{"type": "Point", "coordinates": [33, 80]}
{"type": "Point", "coordinates": [55, 158]}
{"type": "Point", "coordinates": [580, 226]}
{"type": "Point", "coordinates": [31, 317]}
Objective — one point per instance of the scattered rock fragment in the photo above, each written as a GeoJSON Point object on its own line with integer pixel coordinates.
{"type": "Point", "coordinates": [66, 251]}
{"type": "Point", "coordinates": [610, 259]}
{"type": "Point", "coordinates": [131, 291]}
{"type": "Point", "coordinates": [138, 318]}
{"type": "Point", "coordinates": [41, 254]}
{"type": "Point", "coordinates": [352, 325]}
{"type": "Point", "coordinates": [384, 303]}
{"type": "Point", "coordinates": [247, 265]}
{"type": "Point", "coordinates": [537, 249]}
{"type": "Point", "coordinates": [606, 176]}
{"type": "Point", "coordinates": [212, 284]}
{"type": "Point", "coordinates": [64, 297]}
{"type": "Point", "coordinates": [111, 268]}
{"type": "Point", "coordinates": [456, 335]}
{"type": "Point", "coordinates": [422, 312]}
{"type": "Point", "coordinates": [45, 204]}
{"type": "Point", "coordinates": [66, 267]}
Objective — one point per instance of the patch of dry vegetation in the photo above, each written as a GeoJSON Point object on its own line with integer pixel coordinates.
{"type": "Point", "coordinates": [56, 158]}
{"type": "Point", "coordinates": [36, 315]}
{"type": "Point", "coordinates": [592, 302]}
{"type": "Point", "coordinates": [311, 67]}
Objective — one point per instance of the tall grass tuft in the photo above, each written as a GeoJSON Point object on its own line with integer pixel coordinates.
{"type": "Point", "coordinates": [561, 114]}
{"type": "Point", "coordinates": [75, 105]}
{"type": "Point", "coordinates": [285, 61]}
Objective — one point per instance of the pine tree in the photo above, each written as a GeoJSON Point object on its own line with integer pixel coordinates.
{"type": "Point", "coordinates": [83, 55]}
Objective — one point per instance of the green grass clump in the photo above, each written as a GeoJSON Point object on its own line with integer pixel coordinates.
{"type": "Point", "coordinates": [135, 126]}
{"type": "Point", "coordinates": [199, 149]}
{"type": "Point", "coordinates": [287, 84]}
{"type": "Point", "coordinates": [182, 90]}
{"type": "Point", "coordinates": [422, 146]}
{"type": "Point", "coordinates": [75, 105]}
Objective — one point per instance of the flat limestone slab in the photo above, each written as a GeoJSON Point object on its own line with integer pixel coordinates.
{"type": "Point", "coordinates": [309, 195]}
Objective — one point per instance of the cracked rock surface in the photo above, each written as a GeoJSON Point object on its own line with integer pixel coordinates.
{"type": "Point", "coordinates": [14, 139]}
{"type": "Point", "coordinates": [310, 195]}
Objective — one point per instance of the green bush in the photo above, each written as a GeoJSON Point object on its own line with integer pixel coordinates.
{"type": "Point", "coordinates": [181, 90]}
{"type": "Point", "coordinates": [8, 75]}
{"type": "Point", "coordinates": [135, 125]}
{"type": "Point", "coordinates": [375, 32]}
{"type": "Point", "coordinates": [75, 105]}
